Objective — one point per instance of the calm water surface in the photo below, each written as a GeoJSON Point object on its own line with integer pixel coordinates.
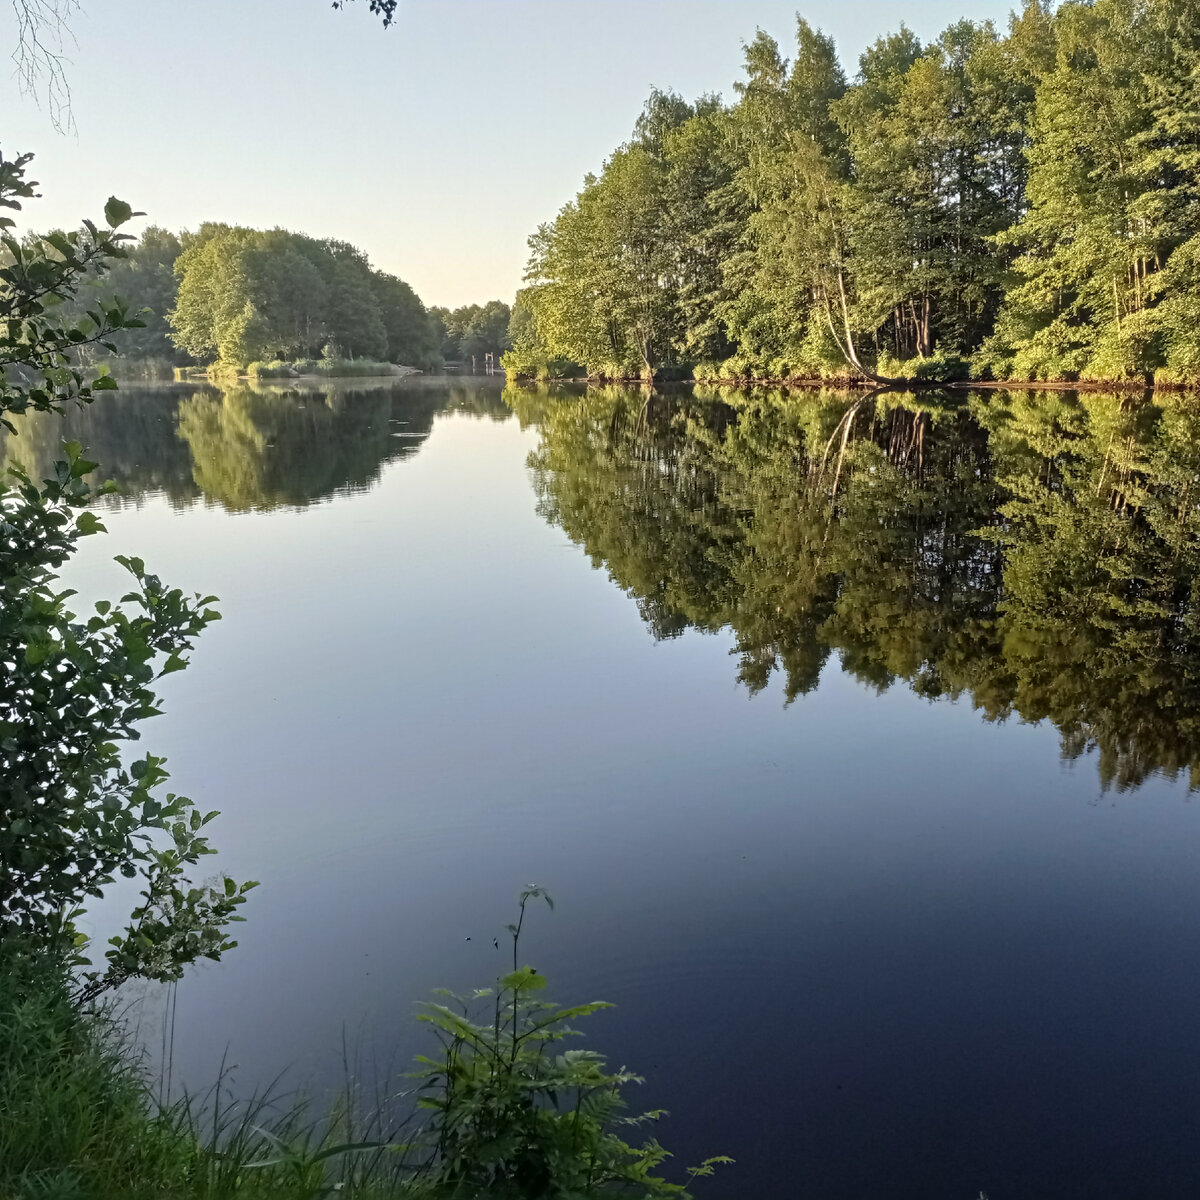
{"type": "Point", "coordinates": [870, 813]}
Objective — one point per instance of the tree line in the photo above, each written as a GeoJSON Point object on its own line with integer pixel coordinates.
{"type": "Point", "coordinates": [1014, 205]}
{"type": "Point", "coordinates": [229, 294]}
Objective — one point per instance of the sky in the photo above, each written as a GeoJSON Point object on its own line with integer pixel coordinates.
{"type": "Point", "coordinates": [436, 146]}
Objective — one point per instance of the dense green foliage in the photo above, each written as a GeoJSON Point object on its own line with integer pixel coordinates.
{"type": "Point", "coordinates": [250, 294]}
{"type": "Point", "coordinates": [75, 813]}
{"type": "Point", "coordinates": [473, 331]}
{"type": "Point", "coordinates": [145, 276]}
{"type": "Point", "coordinates": [1019, 205]}
{"type": "Point", "coordinates": [1037, 553]}
{"type": "Point", "coordinates": [244, 295]}
{"type": "Point", "coordinates": [251, 297]}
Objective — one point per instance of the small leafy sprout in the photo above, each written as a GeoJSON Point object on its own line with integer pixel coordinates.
{"type": "Point", "coordinates": [513, 1112]}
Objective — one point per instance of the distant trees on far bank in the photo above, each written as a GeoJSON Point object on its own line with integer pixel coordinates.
{"type": "Point", "coordinates": [251, 294]}
{"type": "Point", "coordinates": [233, 295]}
{"type": "Point", "coordinates": [473, 331]}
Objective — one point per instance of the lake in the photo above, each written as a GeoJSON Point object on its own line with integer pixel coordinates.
{"type": "Point", "coordinates": [854, 738]}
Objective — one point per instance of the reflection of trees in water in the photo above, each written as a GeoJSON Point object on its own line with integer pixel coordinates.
{"type": "Point", "coordinates": [1102, 565]}
{"type": "Point", "coordinates": [130, 434]}
{"type": "Point", "coordinates": [257, 449]}
{"type": "Point", "coordinates": [478, 398]}
{"type": "Point", "coordinates": [1037, 553]}
{"type": "Point", "coordinates": [248, 447]}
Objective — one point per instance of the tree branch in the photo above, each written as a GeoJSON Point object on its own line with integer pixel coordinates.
{"type": "Point", "coordinates": [43, 33]}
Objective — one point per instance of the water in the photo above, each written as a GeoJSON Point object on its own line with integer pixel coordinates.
{"type": "Point", "coordinates": [873, 819]}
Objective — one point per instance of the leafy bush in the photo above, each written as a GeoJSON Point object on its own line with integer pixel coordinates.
{"type": "Point", "coordinates": [706, 371]}
{"type": "Point", "coordinates": [72, 690]}
{"type": "Point", "coordinates": [941, 365]}
{"type": "Point", "coordinates": [73, 815]}
{"type": "Point", "coordinates": [1132, 353]}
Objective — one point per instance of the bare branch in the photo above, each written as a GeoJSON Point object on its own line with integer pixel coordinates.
{"type": "Point", "coordinates": [43, 29]}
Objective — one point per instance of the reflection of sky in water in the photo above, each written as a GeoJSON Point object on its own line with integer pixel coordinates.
{"type": "Point", "coordinates": [866, 944]}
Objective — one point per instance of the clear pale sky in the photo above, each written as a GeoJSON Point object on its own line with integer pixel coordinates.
{"type": "Point", "coordinates": [436, 146]}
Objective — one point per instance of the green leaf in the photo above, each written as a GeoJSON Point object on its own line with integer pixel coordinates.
{"type": "Point", "coordinates": [117, 212]}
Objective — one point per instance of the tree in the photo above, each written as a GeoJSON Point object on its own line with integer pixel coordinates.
{"type": "Point", "coordinates": [795, 275]}
{"type": "Point", "coordinates": [246, 295]}
{"type": "Point", "coordinates": [935, 137]}
{"type": "Point", "coordinates": [473, 330]}
{"type": "Point", "coordinates": [605, 274]}
{"type": "Point", "coordinates": [410, 334]}
{"type": "Point", "coordinates": [146, 271]}
{"type": "Point", "coordinates": [1080, 302]}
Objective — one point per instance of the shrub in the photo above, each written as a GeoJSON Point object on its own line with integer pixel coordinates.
{"type": "Point", "coordinates": [275, 369]}
{"type": "Point", "coordinates": [73, 813]}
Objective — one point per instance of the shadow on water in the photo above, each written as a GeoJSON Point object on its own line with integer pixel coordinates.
{"type": "Point", "coordinates": [247, 448]}
{"type": "Point", "coordinates": [1037, 553]}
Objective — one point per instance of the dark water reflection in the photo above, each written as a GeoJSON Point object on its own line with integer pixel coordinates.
{"type": "Point", "coordinates": [1035, 553]}
{"type": "Point", "coordinates": [250, 447]}
{"type": "Point", "coordinates": [881, 841]}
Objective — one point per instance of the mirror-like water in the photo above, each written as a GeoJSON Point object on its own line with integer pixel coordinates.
{"type": "Point", "coordinates": [854, 738]}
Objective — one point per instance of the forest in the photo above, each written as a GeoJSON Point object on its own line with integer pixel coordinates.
{"type": "Point", "coordinates": [235, 296]}
{"type": "Point", "coordinates": [1017, 205]}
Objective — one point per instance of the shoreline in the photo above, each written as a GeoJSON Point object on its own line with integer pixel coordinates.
{"type": "Point", "coordinates": [855, 384]}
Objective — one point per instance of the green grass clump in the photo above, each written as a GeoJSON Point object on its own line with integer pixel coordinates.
{"type": "Point", "coordinates": [79, 1121]}
{"type": "Point", "coordinates": [346, 368]}
{"type": "Point", "coordinates": [275, 369]}
{"type": "Point", "coordinates": [76, 1121]}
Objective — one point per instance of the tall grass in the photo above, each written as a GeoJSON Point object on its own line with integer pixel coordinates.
{"type": "Point", "coordinates": [79, 1121]}
{"type": "Point", "coordinates": [75, 1116]}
